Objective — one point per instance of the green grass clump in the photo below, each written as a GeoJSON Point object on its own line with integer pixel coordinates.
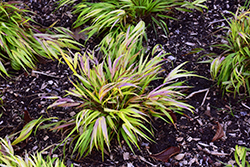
{"type": "Point", "coordinates": [240, 156]}
{"type": "Point", "coordinates": [114, 16]}
{"type": "Point", "coordinates": [21, 43]}
{"type": "Point", "coordinates": [232, 68]}
{"type": "Point", "coordinates": [114, 96]}
{"type": "Point", "coordinates": [9, 159]}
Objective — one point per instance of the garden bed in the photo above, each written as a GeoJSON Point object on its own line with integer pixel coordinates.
{"type": "Point", "coordinates": [193, 133]}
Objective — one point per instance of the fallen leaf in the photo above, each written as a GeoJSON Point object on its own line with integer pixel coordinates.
{"type": "Point", "coordinates": [26, 117]}
{"type": "Point", "coordinates": [172, 114]}
{"type": "Point", "coordinates": [219, 133]}
{"type": "Point", "coordinates": [166, 154]}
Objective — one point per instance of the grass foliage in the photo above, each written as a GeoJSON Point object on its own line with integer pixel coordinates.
{"type": "Point", "coordinates": [114, 96]}
{"type": "Point", "coordinates": [9, 159]}
{"type": "Point", "coordinates": [232, 68]}
{"type": "Point", "coordinates": [117, 15]}
{"type": "Point", "coordinates": [21, 43]}
{"type": "Point", "coordinates": [240, 156]}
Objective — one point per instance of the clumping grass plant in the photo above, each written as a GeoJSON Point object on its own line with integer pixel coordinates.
{"type": "Point", "coordinates": [240, 156]}
{"type": "Point", "coordinates": [116, 15]}
{"type": "Point", "coordinates": [9, 159]}
{"type": "Point", "coordinates": [21, 43]}
{"type": "Point", "coordinates": [114, 96]}
{"type": "Point", "coordinates": [232, 68]}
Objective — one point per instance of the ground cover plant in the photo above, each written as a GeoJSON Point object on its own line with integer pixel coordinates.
{"type": "Point", "coordinates": [240, 157]}
{"type": "Point", "coordinates": [9, 159]}
{"type": "Point", "coordinates": [112, 17]}
{"type": "Point", "coordinates": [21, 43]}
{"type": "Point", "coordinates": [231, 68]}
{"type": "Point", "coordinates": [114, 96]}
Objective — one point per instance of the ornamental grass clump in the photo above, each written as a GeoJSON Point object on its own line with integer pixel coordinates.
{"type": "Point", "coordinates": [116, 15]}
{"type": "Point", "coordinates": [9, 159]}
{"type": "Point", "coordinates": [115, 99]}
{"type": "Point", "coordinates": [21, 43]}
{"type": "Point", "coordinates": [241, 154]}
{"type": "Point", "coordinates": [232, 68]}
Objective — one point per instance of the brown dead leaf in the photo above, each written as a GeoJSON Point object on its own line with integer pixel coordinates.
{"type": "Point", "coordinates": [26, 117]}
{"type": "Point", "coordinates": [166, 154]}
{"type": "Point", "coordinates": [219, 133]}
{"type": "Point", "coordinates": [172, 114]}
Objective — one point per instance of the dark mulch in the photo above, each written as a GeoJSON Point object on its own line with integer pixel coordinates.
{"type": "Point", "coordinates": [194, 132]}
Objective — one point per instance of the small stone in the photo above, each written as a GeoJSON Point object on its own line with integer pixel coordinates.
{"type": "Point", "coordinates": [193, 33]}
{"type": "Point", "coordinates": [34, 148]}
{"type": "Point", "coordinates": [189, 139]}
{"type": "Point", "coordinates": [44, 85]}
{"type": "Point", "coordinates": [206, 150]}
{"type": "Point", "coordinates": [111, 157]}
{"type": "Point", "coordinates": [200, 122]}
{"type": "Point", "coordinates": [190, 43]}
{"type": "Point", "coordinates": [196, 139]}
{"type": "Point", "coordinates": [240, 142]}
{"type": "Point", "coordinates": [126, 156]}
{"type": "Point", "coordinates": [45, 152]}
{"type": "Point", "coordinates": [50, 82]}
{"type": "Point", "coordinates": [192, 161]}
{"type": "Point", "coordinates": [171, 58]}
{"type": "Point", "coordinates": [179, 156]}
{"type": "Point", "coordinates": [144, 144]}
{"type": "Point", "coordinates": [224, 41]}
{"type": "Point", "coordinates": [243, 113]}
{"type": "Point", "coordinates": [199, 147]}
{"type": "Point", "coordinates": [179, 139]}
{"type": "Point", "coordinates": [232, 134]}
{"type": "Point", "coordinates": [46, 138]}
{"type": "Point", "coordinates": [203, 144]}
{"type": "Point", "coordinates": [130, 164]}
{"type": "Point", "coordinates": [185, 162]}
{"type": "Point", "coordinates": [72, 113]}
{"type": "Point", "coordinates": [177, 31]}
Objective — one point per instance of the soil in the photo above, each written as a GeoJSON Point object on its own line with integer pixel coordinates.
{"type": "Point", "coordinates": [194, 131]}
